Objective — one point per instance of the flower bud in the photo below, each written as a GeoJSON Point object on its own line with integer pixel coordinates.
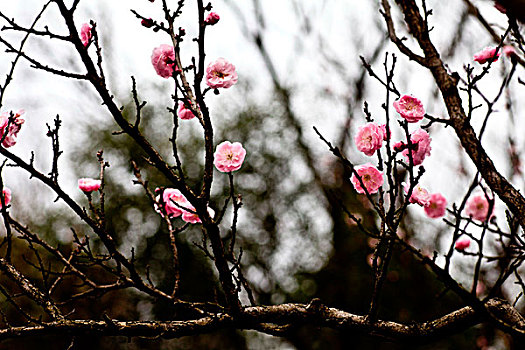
{"type": "Point", "coordinates": [148, 23]}
{"type": "Point", "coordinates": [212, 19]}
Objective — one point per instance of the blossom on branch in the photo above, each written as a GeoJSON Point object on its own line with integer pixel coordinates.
{"type": "Point", "coordinates": [371, 177]}
{"type": "Point", "coordinates": [174, 202]}
{"type": "Point", "coordinates": [191, 217]}
{"type": "Point", "coordinates": [221, 74]}
{"type": "Point", "coordinates": [85, 34]}
{"type": "Point", "coordinates": [212, 19]}
{"type": "Point", "coordinates": [228, 156]}
{"type": "Point", "coordinates": [462, 244]}
{"type": "Point", "coordinates": [163, 60]}
{"type": "Point", "coordinates": [89, 185]}
{"type": "Point", "coordinates": [410, 108]}
{"type": "Point", "coordinates": [419, 194]}
{"type": "Point", "coordinates": [478, 206]}
{"type": "Point", "coordinates": [10, 127]}
{"type": "Point", "coordinates": [436, 206]}
{"type": "Point", "coordinates": [369, 138]}
{"type": "Point", "coordinates": [420, 147]}
{"type": "Point", "coordinates": [184, 112]}
{"type": "Point", "coordinates": [6, 192]}
{"type": "Point", "coordinates": [487, 54]}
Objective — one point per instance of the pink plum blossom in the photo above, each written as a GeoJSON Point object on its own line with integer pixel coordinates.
{"type": "Point", "coordinates": [221, 74]}
{"type": "Point", "coordinates": [85, 34]}
{"type": "Point", "coordinates": [371, 177]}
{"type": "Point", "coordinates": [212, 19]}
{"type": "Point", "coordinates": [369, 138]}
{"type": "Point", "coordinates": [13, 126]}
{"type": "Point", "coordinates": [486, 54]}
{"type": "Point", "coordinates": [410, 108]}
{"type": "Point", "coordinates": [477, 207]}
{"type": "Point", "coordinates": [419, 194]}
{"type": "Point", "coordinates": [89, 185]}
{"type": "Point", "coordinates": [436, 206]}
{"type": "Point", "coordinates": [7, 196]}
{"type": "Point", "coordinates": [509, 50]}
{"type": "Point", "coordinates": [174, 202]}
{"type": "Point", "coordinates": [462, 244]}
{"type": "Point", "coordinates": [420, 140]}
{"type": "Point", "coordinates": [163, 60]}
{"type": "Point", "coordinates": [183, 112]}
{"type": "Point", "coordinates": [228, 156]}
{"type": "Point", "coordinates": [384, 130]}
{"type": "Point", "coordinates": [191, 217]}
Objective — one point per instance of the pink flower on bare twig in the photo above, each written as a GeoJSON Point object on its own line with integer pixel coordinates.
{"type": "Point", "coordinates": [436, 206]}
{"type": "Point", "coordinates": [478, 207]}
{"type": "Point", "coordinates": [419, 194]}
{"type": "Point", "coordinates": [369, 138]}
{"type": "Point", "coordinates": [212, 19]}
{"type": "Point", "coordinates": [410, 108]}
{"type": "Point", "coordinates": [163, 60]}
{"type": "Point", "coordinates": [462, 244]}
{"type": "Point", "coordinates": [221, 74]}
{"type": "Point", "coordinates": [85, 34]}
{"type": "Point", "coordinates": [228, 156]}
{"type": "Point", "coordinates": [89, 185]}
{"type": "Point", "coordinates": [487, 54]}
{"type": "Point", "coordinates": [371, 177]}
{"type": "Point", "coordinates": [7, 196]}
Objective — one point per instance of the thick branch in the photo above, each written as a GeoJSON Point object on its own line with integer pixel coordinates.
{"type": "Point", "coordinates": [284, 316]}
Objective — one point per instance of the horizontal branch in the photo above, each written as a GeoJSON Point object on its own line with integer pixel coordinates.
{"type": "Point", "coordinates": [285, 317]}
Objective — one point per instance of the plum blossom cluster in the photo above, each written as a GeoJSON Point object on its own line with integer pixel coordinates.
{"type": "Point", "coordinates": [175, 204]}
{"type": "Point", "coordinates": [219, 73]}
{"type": "Point", "coordinates": [435, 204]}
{"type": "Point", "coordinates": [371, 136]}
